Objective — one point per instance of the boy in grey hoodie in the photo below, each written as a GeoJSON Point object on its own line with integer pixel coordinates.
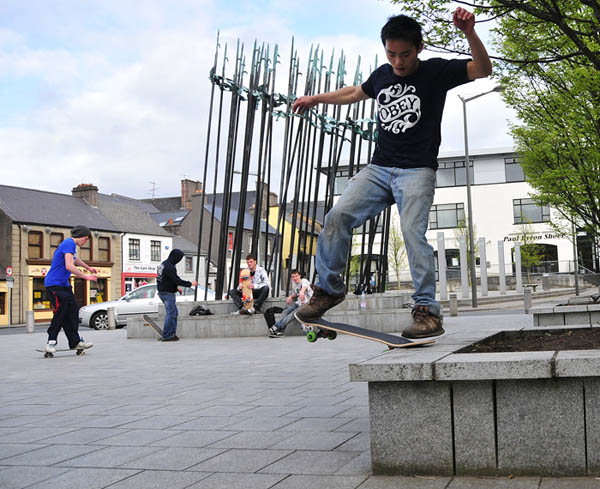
{"type": "Point", "coordinates": [167, 282]}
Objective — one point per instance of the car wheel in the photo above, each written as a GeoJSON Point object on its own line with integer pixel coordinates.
{"type": "Point", "coordinates": [99, 320]}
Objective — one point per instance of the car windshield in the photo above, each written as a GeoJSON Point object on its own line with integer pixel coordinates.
{"type": "Point", "coordinates": [145, 292]}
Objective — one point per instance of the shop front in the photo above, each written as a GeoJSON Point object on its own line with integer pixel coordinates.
{"type": "Point", "coordinates": [86, 292]}
{"type": "Point", "coordinates": [136, 275]}
{"type": "Point", "coordinates": [3, 304]}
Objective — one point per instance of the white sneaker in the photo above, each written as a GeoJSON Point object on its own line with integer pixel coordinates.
{"type": "Point", "coordinates": [83, 345]}
{"type": "Point", "coordinates": [51, 346]}
{"type": "Point", "coordinates": [251, 311]}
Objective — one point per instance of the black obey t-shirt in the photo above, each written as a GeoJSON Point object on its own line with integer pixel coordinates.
{"type": "Point", "coordinates": [410, 111]}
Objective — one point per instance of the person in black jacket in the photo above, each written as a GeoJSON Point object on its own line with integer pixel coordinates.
{"type": "Point", "coordinates": [167, 282]}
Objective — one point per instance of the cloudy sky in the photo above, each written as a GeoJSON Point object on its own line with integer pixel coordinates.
{"type": "Point", "coordinates": [116, 92]}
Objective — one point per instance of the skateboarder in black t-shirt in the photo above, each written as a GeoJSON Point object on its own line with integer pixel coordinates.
{"type": "Point", "coordinates": [410, 95]}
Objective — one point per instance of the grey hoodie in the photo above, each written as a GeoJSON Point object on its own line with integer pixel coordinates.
{"type": "Point", "coordinates": [167, 278]}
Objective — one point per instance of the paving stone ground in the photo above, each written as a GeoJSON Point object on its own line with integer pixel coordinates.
{"type": "Point", "coordinates": [248, 413]}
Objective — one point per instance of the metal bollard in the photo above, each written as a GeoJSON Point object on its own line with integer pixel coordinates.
{"type": "Point", "coordinates": [110, 313]}
{"type": "Point", "coordinates": [30, 322]}
{"type": "Point", "coordinates": [545, 282]}
{"type": "Point", "coordinates": [527, 300]}
{"type": "Point", "coordinates": [453, 305]}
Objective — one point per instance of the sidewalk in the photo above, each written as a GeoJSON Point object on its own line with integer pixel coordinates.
{"type": "Point", "coordinates": [248, 413]}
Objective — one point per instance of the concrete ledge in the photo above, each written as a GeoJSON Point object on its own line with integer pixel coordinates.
{"type": "Point", "coordinates": [436, 412]}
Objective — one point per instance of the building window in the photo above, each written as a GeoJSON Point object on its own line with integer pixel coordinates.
{"type": "Point", "coordinates": [134, 249]}
{"type": "Point", "coordinates": [36, 243]}
{"type": "Point", "coordinates": [154, 250]}
{"type": "Point", "coordinates": [2, 303]}
{"type": "Point", "coordinates": [444, 216]}
{"type": "Point", "coordinates": [453, 174]}
{"type": "Point", "coordinates": [55, 240]}
{"type": "Point", "coordinates": [104, 249]}
{"type": "Point", "coordinates": [40, 298]}
{"type": "Point", "coordinates": [98, 291]}
{"type": "Point", "coordinates": [526, 211]}
{"type": "Point", "coordinates": [189, 264]}
{"type": "Point", "coordinates": [85, 251]}
{"type": "Point", "coordinates": [514, 171]}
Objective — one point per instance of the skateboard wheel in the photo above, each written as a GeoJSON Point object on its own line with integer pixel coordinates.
{"type": "Point", "coordinates": [48, 355]}
{"type": "Point", "coordinates": [80, 352]}
{"type": "Point", "coordinates": [311, 337]}
{"type": "Point", "coordinates": [332, 335]}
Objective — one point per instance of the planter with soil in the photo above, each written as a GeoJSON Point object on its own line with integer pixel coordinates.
{"type": "Point", "coordinates": [522, 402]}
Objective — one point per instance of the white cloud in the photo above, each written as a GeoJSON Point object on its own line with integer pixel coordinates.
{"type": "Point", "coordinates": [125, 100]}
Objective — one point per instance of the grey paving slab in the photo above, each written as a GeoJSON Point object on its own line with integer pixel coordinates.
{"type": "Point", "coordinates": [109, 457]}
{"type": "Point", "coordinates": [358, 443]}
{"type": "Point", "coordinates": [320, 482]}
{"type": "Point", "coordinates": [173, 458]}
{"type": "Point", "coordinates": [12, 449]}
{"type": "Point", "coordinates": [261, 423]}
{"type": "Point", "coordinates": [359, 465]}
{"type": "Point", "coordinates": [32, 435]}
{"type": "Point", "coordinates": [19, 477]}
{"type": "Point", "coordinates": [495, 483]}
{"type": "Point", "coordinates": [84, 479]}
{"type": "Point", "coordinates": [49, 455]}
{"type": "Point", "coordinates": [570, 483]}
{"type": "Point", "coordinates": [253, 439]}
{"type": "Point", "coordinates": [15, 420]}
{"type": "Point", "coordinates": [236, 460]}
{"type": "Point", "coordinates": [157, 479]}
{"type": "Point", "coordinates": [308, 441]}
{"type": "Point", "coordinates": [137, 437]}
{"type": "Point", "coordinates": [381, 482]}
{"type": "Point", "coordinates": [315, 424]}
{"type": "Point", "coordinates": [237, 481]}
{"type": "Point", "coordinates": [196, 439]}
{"type": "Point", "coordinates": [310, 462]}
{"type": "Point", "coordinates": [222, 410]}
{"type": "Point", "coordinates": [210, 423]}
{"type": "Point", "coordinates": [85, 435]}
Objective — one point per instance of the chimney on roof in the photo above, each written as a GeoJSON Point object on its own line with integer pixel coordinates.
{"type": "Point", "coordinates": [87, 192]}
{"type": "Point", "coordinates": [188, 188]}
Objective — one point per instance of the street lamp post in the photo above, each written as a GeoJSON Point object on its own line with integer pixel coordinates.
{"type": "Point", "coordinates": [464, 101]}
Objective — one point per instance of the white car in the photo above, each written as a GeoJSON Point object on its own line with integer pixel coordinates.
{"type": "Point", "coordinates": [143, 300]}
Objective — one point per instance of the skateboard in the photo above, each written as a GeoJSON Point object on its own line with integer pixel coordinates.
{"type": "Point", "coordinates": [321, 328]}
{"type": "Point", "coordinates": [148, 321]}
{"type": "Point", "coordinates": [247, 297]}
{"type": "Point", "coordinates": [50, 355]}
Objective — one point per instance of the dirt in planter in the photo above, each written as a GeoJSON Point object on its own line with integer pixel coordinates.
{"type": "Point", "coordinates": [538, 340]}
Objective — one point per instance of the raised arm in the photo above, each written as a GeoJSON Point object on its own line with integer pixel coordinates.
{"type": "Point", "coordinates": [481, 66]}
{"type": "Point", "coordinates": [343, 96]}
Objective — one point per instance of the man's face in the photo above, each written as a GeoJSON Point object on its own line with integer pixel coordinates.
{"type": "Point", "coordinates": [296, 277]}
{"type": "Point", "coordinates": [402, 55]}
{"type": "Point", "coordinates": [251, 263]}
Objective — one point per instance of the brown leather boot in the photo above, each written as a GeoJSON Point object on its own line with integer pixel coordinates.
{"type": "Point", "coordinates": [424, 325]}
{"type": "Point", "coordinates": [319, 303]}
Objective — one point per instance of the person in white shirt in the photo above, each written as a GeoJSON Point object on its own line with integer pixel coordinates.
{"type": "Point", "coordinates": [301, 294]}
{"type": "Point", "coordinates": [260, 288]}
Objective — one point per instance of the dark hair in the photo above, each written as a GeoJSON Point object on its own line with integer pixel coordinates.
{"type": "Point", "coordinates": [402, 27]}
{"type": "Point", "coordinates": [250, 256]}
{"type": "Point", "coordinates": [295, 271]}
{"type": "Point", "coordinates": [80, 232]}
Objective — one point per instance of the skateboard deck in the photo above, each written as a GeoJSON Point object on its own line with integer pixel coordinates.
{"type": "Point", "coordinates": [246, 281]}
{"type": "Point", "coordinates": [50, 355]}
{"type": "Point", "coordinates": [148, 321]}
{"type": "Point", "coordinates": [329, 330]}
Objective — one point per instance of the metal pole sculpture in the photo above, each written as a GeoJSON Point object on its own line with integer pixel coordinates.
{"type": "Point", "coordinates": [300, 154]}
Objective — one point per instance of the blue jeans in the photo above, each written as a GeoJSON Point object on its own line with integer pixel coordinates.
{"type": "Point", "coordinates": [286, 317]}
{"type": "Point", "coordinates": [372, 190]}
{"type": "Point", "coordinates": [170, 326]}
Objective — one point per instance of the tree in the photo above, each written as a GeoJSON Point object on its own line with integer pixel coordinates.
{"type": "Point", "coordinates": [396, 252]}
{"type": "Point", "coordinates": [531, 253]}
{"type": "Point", "coordinates": [547, 55]}
{"type": "Point", "coordinates": [551, 31]}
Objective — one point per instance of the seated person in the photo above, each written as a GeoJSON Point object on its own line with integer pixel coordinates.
{"type": "Point", "coordinates": [301, 294]}
{"type": "Point", "coordinates": [260, 288]}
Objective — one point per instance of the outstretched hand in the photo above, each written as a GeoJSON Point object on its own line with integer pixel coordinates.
{"type": "Point", "coordinates": [304, 103]}
{"type": "Point", "coordinates": [463, 20]}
